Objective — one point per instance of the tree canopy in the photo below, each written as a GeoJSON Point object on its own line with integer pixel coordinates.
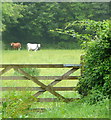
{"type": "Point", "coordinates": [33, 22]}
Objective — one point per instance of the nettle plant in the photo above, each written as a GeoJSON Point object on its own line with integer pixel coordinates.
{"type": "Point", "coordinates": [95, 37]}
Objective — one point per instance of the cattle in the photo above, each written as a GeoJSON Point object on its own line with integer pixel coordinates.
{"type": "Point", "coordinates": [16, 45]}
{"type": "Point", "coordinates": [33, 47]}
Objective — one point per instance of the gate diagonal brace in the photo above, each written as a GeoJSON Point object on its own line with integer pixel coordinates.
{"type": "Point", "coordinates": [44, 87]}
{"type": "Point", "coordinates": [66, 75]}
{"type": "Point", "coordinates": [5, 70]}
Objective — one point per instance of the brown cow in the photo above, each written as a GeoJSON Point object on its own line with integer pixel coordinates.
{"type": "Point", "coordinates": [16, 45]}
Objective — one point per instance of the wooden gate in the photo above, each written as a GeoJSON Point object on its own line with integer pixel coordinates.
{"type": "Point", "coordinates": [37, 79]}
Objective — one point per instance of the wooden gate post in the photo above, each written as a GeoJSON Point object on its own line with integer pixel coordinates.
{"type": "Point", "coordinates": [82, 64]}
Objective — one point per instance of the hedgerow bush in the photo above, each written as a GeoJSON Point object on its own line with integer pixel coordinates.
{"type": "Point", "coordinates": [95, 38]}
{"type": "Point", "coordinates": [96, 79]}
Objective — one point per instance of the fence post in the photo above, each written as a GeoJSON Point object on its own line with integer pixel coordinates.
{"type": "Point", "coordinates": [82, 64]}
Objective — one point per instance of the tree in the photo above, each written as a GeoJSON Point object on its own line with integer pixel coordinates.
{"type": "Point", "coordinates": [32, 22]}
{"type": "Point", "coordinates": [10, 14]}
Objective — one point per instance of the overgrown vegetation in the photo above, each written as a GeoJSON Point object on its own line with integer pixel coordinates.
{"type": "Point", "coordinates": [96, 78]}
{"type": "Point", "coordinates": [97, 71]}
{"type": "Point", "coordinates": [96, 41]}
{"type": "Point", "coordinates": [17, 106]}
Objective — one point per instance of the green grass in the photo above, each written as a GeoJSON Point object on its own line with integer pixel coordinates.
{"type": "Point", "coordinates": [42, 56]}
{"type": "Point", "coordinates": [77, 109]}
{"type": "Point", "coordinates": [18, 108]}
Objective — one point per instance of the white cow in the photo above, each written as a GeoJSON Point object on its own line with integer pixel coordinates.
{"type": "Point", "coordinates": [33, 47]}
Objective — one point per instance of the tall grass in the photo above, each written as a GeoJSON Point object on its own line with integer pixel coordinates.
{"type": "Point", "coordinates": [18, 106]}
{"type": "Point", "coordinates": [19, 103]}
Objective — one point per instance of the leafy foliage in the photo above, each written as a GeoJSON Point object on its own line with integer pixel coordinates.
{"type": "Point", "coordinates": [85, 30]}
{"type": "Point", "coordinates": [17, 106]}
{"type": "Point", "coordinates": [96, 78]}
{"type": "Point", "coordinates": [11, 13]}
{"type": "Point", "coordinates": [95, 37]}
{"type": "Point", "coordinates": [32, 22]}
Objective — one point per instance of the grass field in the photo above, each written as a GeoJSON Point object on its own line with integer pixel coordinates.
{"type": "Point", "coordinates": [76, 109]}
{"type": "Point", "coordinates": [42, 56]}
